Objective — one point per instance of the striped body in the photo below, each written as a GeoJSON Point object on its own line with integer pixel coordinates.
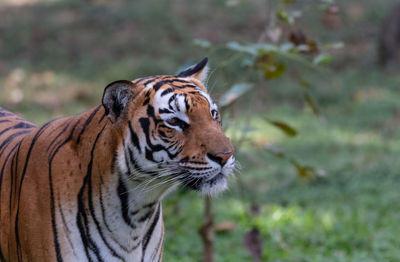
{"type": "Point", "coordinates": [89, 187]}
{"type": "Point", "coordinates": [80, 222]}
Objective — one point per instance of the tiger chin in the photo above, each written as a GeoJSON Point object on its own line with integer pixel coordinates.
{"type": "Point", "coordinates": [89, 187]}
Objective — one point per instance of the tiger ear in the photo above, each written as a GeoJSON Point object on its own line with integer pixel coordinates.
{"type": "Point", "coordinates": [117, 96]}
{"type": "Point", "coordinates": [198, 71]}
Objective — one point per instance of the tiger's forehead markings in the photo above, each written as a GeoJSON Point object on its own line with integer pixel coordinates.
{"type": "Point", "coordinates": [174, 96]}
{"type": "Point", "coordinates": [176, 102]}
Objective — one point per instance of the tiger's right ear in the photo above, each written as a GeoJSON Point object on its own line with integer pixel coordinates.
{"type": "Point", "coordinates": [117, 97]}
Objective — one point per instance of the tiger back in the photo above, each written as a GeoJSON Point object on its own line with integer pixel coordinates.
{"type": "Point", "coordinates": [89, 187]}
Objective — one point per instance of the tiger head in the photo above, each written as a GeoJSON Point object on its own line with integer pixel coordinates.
{"type": "Point", "coordinates": [170, 131]}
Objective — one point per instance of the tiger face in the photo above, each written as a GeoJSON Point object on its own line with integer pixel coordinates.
{"type": "Point", "coordinates": [174, 133]}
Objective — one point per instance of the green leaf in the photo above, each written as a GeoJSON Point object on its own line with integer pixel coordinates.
{"type": "Point", "coordinates": [266, 48]}
{"type": "Point", "coordinates": [322, 58]}
{"type": "Point", "coordinates": [253, 49]}
{"type": "Point", "coordinates": [284, 17]}
{"type": "Point", "coordinates": [267, 63]}
{"type": "Point", "coordinates": [289, 1]}
{"type": "Point", "coordinates": [242, 48]}
{"type": "Point", "coordinates": [311, 104]}
{"type": "Point", "coordinates": [202, 43]}
{"type": "Point", "coordinates": [236, 91]}
{"type": "Point", "coordinates": [303, 171]}
{"type": "Point", "coordinates": [274, 70]}
{"type": "Point", "coordinates": [288, 130]}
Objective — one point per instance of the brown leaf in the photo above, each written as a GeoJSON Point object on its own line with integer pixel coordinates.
{"type": "Point", "coordinates": [305, 45]}
{"type": "Point", "coordinates": [312, 47]}
{"type": "Point", "coordinates": [252, 243]}
{"type": "Point", "coordinates": [297, 37]}
{"type": "Point", "coordinates": [264, 59]}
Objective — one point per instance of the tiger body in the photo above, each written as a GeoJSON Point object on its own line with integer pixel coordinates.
{"type": "Point", "coordinates": [89, 187]}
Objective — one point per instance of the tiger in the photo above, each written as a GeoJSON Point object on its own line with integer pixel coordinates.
{"type": "Point", "coordinates": [89, 187]}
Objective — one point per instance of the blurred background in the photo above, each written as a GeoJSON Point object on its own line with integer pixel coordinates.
{"type": "Point", "coordinates": [309, 93]}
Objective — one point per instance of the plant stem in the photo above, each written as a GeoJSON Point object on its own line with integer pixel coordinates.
{"type": "Point", "coordinates": [207, 231]}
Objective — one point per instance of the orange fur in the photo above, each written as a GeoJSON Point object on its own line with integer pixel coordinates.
{"type": "Point", "coordinates": [54, 176]}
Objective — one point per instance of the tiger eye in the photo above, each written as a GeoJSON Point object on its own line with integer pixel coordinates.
{"type": "Point", "coordinates": [173, 121]}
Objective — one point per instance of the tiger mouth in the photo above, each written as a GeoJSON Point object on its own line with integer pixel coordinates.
{"type": "Point", "coordinates": [198, 183]}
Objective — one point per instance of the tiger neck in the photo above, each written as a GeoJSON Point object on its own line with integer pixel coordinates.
{"type": "Point", "coordinates": [113, 216]}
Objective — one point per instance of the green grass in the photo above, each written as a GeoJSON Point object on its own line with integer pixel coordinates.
{"type": "Point", "coordinates": [59, 64]}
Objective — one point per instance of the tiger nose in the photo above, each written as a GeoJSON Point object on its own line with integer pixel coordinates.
{"type": "Point", "coordinates": [221, 158]}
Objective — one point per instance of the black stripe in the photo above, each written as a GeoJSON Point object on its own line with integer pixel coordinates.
{"type": "Point", "coordinates": [13, 176]}
{"type": "Point", "coordinates": [103, 214]}
{"type": "Point", "coordinates": [4, 121]}
{"type": "Point", "coordinates": [149, 155]}
{"type": "Point", "coordinates": [187, 107]}
{"type": "Point", "coordinates": [9, 139]}
{"type": "Point", "coordinates": [146, 216]}
{"type": "Point", "coordinates": [17, 126]}
{"type": "Point", "coordinates": [134, 138]}
{"type": "Point", "coordinates": [39, 132]}
{"type": "Point", "coordinates": [151, 80]}
{"type": "Point", "coordinates": [136, 166]}
{"type": "Point", "coordinates": [87, 122]}
{"type": "Point", "coordinates": [91, 207]}
{"type": "Point", "coordinates": [2, 259]}
{"type": "Point", "coordinates": [103, 211]}
{"type": "Point", "coordinates": [57, 136]}
{"type": "Point", "coordinates": [138, 81]}
{"type": "Point", "coordinates": [165, 111]}
{"type": "Point", "coordinates": [169, 81]}
{"type": "Point", "coordinates": [170, 100]}
{"type": "Point", "coordinates": [147, 236]}
{"type": "Point", "coordinates": [123, 197]}
{"type": "Point", "coordinates": [102, 118]}
{"type": "Point", "coordinates": [146, 102]}
{"type": "Point", "coordinates": [150, 113]}
{"type": "Point", "coordinates": [167, 91]}
{"type": "Point", "coordinates": [159, 85]}
{"type": "Point", "coordinates": [87, 241]}
{"type": "Point", "coordinates": [52, 202]}
{"type": "Point", "coordinates": [198, 168]}
{"type": "Point", "coordinates": [4, 112]}
{"type": "Point", "coordinates": [145, 124]}
{"type": "Point", "coordinates": [186, 86]}
{"type": "Point", "coordinates": [3, 167]}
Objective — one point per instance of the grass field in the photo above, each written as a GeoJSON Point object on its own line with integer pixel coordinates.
{"type": "Point", "coordinates": [58, 65]}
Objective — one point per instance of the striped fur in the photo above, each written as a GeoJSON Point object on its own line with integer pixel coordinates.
{"type": "Point", "coordinates": [89, 187]}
